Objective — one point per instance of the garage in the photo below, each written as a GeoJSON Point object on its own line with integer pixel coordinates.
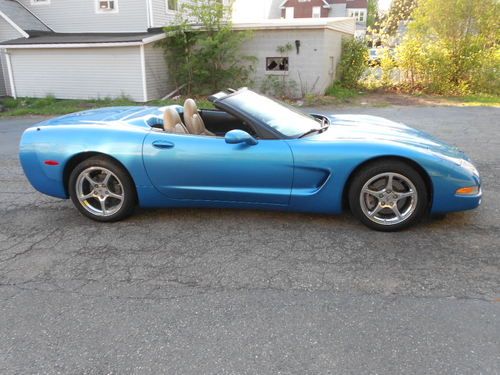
{"type": "Point", "coordinates": [88, 66]}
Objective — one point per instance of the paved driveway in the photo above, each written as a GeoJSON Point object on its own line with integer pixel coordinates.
{"type": "Point", "coordinates": [227, 292]}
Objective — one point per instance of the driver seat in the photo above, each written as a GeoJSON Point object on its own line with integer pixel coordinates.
{"type": "Point", "coordinates": [194, 122]}
{"type": "Point", "coordinates": [172, 122]}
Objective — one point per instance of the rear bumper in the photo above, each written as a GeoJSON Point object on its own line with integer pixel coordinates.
{"type": "Point", "coordinates": [47, 179]}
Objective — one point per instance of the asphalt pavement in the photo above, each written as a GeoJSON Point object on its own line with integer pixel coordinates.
{"type": "Point", "coordinates": [212, 291]}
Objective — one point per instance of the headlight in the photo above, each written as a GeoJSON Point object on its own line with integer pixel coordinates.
{"type": "Point", "coordinates": [460, 162]}
{"type": "Point", "coordinates": [469, 166]}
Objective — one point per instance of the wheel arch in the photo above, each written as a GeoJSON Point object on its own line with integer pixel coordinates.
{"type": "Point", "coordinates": [423, 173]}
{"type": "Point", "coordinates": [80, 157]}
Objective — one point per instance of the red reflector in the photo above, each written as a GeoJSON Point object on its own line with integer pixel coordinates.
{"type": "Point", "coordinates": [51, 162]}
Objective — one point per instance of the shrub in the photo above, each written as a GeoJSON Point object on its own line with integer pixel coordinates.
{"type": "Point", "coordinates": [353, 62]}
{"type": "Point", "coordinates": [452, 47]}
{"type": "Point", "coordinates": [205, 57]}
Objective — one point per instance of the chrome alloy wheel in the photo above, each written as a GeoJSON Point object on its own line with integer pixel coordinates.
{"type": "Point", "coordinates": [388, 198]}
{"type": "Point", "coordinates": [99, 191]}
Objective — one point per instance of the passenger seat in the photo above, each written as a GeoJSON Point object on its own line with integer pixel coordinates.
{"type": "Point", "coordinates": [172, 122]}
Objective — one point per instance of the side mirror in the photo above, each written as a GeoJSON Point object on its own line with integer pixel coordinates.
{"type": "Point", "coordinates": [234, 137]}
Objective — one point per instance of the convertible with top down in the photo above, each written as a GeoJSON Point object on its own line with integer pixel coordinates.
{"type": "Point", "coordinates": [250, 152]}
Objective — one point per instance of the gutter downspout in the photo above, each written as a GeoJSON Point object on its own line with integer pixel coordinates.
{"type": "Point", "coordinates": [149, 9]}
{"type": "Point", "coordinates": [11, 75]}
{"type": "Point", "coordinates": [143, 74]}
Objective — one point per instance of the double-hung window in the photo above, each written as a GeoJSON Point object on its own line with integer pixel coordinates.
{"type": "Point", "coordinates": [359, 14]}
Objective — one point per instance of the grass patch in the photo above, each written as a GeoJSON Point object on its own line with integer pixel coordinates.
{"type": "Point", "coordinates": [342, 93]}
{"type": "Point", "coordinates": [477, 100]}
{"type": "Point", "coordinates": [336, 94]}
{"type": "Point", "coordinates": [50, 106]}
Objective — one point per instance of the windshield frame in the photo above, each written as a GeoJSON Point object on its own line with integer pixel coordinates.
{"type": "Point", "coordinates": [267, 131]}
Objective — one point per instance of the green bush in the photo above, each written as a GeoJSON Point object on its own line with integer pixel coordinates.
{"type": "Point", "coordinates": [353, 62]}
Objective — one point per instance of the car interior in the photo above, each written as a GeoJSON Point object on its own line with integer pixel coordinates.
{"type": "Point", "coordinates": [209, 122]}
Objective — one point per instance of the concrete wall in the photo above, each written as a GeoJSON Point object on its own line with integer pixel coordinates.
{"type": "Point", "coordinates": [316, 62]}
{"type": "Point", "coordinates": [76, 16]}
{"type": "Point", "coordinates": [78, 73]}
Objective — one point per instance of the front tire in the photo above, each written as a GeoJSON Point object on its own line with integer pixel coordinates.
{"type": "Point", "coordinates": [102, 190]}
{"type": "Point", "coordinates": [388, 195]}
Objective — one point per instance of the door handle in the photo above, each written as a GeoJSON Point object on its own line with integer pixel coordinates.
{"type": "Point", "coordinates": [163, 145]}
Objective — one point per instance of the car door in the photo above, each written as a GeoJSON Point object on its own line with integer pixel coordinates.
{"type": "Point", "coordinates": [207, 168]}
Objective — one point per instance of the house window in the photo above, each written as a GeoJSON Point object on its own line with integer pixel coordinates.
{"type": "Point", "coordinates": [289, 12]}
{"type": "Point", "coordinates": [172, 6]}
{"type": "Point", "coordinates": [40, 2]}
{"type": "Point", "coordinates": [276, 64]}
{"type": "Point", "coordinates": [107, 6]}
{"type": "Point", "coordinates": [359, 14]}
{"type": "Point", "coordinates": [316, 12]}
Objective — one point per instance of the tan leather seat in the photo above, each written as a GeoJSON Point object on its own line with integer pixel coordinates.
{"type": "Point", "coordinates": [172, 122]}
{"type": "Point", "coordinates": [194, 122]}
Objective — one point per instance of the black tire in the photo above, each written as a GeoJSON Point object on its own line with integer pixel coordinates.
{"type": "Point", "coordinates": [416, 209]}
{"type": "Point", "coordinates": [119, 178]}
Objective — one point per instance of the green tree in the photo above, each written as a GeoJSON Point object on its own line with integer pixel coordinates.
{"type": "Point", "coordinates": [372, 16]}
{"type": "Point", "coordinates": [203, 51]}
{"type": "Point", "coordinates": [400, 11]}
{"type": "Point", "coordinates": [452, 46]}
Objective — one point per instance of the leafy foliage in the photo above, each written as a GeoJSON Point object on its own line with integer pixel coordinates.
{"type": "Point", "coordinates": [353, 61]}
{"type": "Point", "coordinates": [372, 16]}
{"type": "Point", "coordinates": [452, 47]}
{"type": "Point", "coordinates": [400, 12]}
{"type": "Point", "coordinates": [202, 50]}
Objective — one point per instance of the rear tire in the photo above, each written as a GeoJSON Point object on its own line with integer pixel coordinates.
{"type": "Point", "coordinates": [388, 195]}
{"type": "Point", "coordinates": [102, 190]}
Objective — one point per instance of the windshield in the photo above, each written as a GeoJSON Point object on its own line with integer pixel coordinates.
{"type": "Point", "coordinates": [279, 116]}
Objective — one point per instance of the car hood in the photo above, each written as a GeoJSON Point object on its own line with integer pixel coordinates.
{"type": "Point", "coordinates": [374, 129]}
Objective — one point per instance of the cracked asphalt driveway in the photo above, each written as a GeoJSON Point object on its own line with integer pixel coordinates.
{"type": "Point", "coordinates": [200, 291]}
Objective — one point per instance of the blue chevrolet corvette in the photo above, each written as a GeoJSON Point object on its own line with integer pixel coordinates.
{"type": "Point", "coordinates": [250, 152]}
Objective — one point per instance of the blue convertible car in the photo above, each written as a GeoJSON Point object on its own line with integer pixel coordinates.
{"type": "Point", "coordinates": [251, 152]}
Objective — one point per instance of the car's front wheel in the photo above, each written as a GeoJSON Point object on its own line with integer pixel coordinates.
{"type": "Point", "coordinates": [388, 195]}
{"type": "Point", "coordinates": [102, 190]}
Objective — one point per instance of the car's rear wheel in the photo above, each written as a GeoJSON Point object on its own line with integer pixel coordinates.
{"type": "Point", "coordinates": [388, 195]}
{"type": "Point", "coordinates": [102, 190]}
